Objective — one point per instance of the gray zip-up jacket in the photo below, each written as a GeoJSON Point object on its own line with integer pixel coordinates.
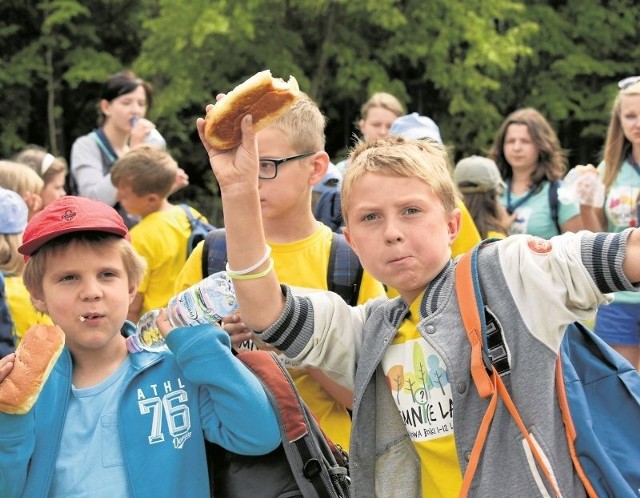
{"type": "Point", "coordinates": [533, 288]}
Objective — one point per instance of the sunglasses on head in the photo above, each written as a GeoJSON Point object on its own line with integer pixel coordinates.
{"type": "Point", "coordinates": [627, 82]}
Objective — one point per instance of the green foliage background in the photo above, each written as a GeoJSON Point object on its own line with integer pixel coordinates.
{"type": "Point", "coordinates": [465, 63]}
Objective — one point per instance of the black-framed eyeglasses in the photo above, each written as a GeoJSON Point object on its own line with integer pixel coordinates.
{"type": "Point", "coordinates": [269, 167]}
{"type": "Point", "coordinates": [627, 82]}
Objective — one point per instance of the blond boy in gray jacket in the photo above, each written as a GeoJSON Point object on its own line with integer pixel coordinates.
{"type": "Point", "coordinates": [416, 412]}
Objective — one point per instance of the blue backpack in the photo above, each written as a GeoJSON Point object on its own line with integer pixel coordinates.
{"type": "Point", "coordinates": [598, 392]}
{"type": "Point", "coordinates": [199, 229]}
{"type": "Point", "coordinates": [344, 271]}
{"type": "Point", "coordinates": [328, 210]}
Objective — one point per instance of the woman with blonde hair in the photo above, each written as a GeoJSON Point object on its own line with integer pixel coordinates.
{"type": "Point", "coordinates": [376, 117]}
{"type": "Point", "coordinates": [619, 323]}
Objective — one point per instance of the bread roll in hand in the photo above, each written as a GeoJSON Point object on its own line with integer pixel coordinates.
{"type": "Point", "coordinates": [35, 356]}
{"type": "Point", "coordinates": [263, 96]}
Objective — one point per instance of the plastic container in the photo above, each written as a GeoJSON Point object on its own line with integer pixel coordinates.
{"type": "Point", "coordinates": [208, 301]}
{"type": "Point", "coordinates": [153, 137]}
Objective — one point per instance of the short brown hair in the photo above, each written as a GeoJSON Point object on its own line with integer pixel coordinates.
{"type": "Point", "coordinates": [147, 169]}
{"type": "Point", "coordinates": [135, 265]}
{"type": "Point", "coordinates": [426, 160]}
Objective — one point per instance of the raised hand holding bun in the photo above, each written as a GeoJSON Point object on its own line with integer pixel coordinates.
{"type": "Point", "coordinates": [263, 96]}
{"type": "Point", "coordinates": [35, 356]}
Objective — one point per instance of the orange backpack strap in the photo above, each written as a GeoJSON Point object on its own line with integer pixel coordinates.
{"type": "Point", "coordinates": [485, 376]}
{"type": "Point", "coordinates": [468, 304]}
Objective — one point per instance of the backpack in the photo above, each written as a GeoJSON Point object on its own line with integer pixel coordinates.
{"type": "Point", "coordinates": [328, 210]}
{"type": "Point", "coordinates": [306, 464]}
{"type": "Point", "coordinates": [7, 328]}
{"type": "Point", "coordinates": [344, 272]}
{"type": "Point", "coordinates": [598, 392]}
{"type": "Point", "coordinates": [281, 469]}
{"type": "Point", "coordinates": [199, 229]}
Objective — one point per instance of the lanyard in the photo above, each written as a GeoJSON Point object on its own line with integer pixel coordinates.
{"type": "Point", "coordinates": [511, 207]}
{"type": "Point", "coordinates": [634, 164]}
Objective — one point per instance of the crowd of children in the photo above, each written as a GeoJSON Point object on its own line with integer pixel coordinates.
{"type": "Point", "coordinates": [386, 374]}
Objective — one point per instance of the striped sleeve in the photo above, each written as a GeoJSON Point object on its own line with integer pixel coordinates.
{"type": "Point", "coordinates": [602, 254]}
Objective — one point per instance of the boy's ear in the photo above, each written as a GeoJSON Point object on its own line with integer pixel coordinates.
{"type": "Point", "coordinates": [153, 198]}
{"type": "Point", "coordinates": [133, 292]}
{"type": "Point", "coordinates": [454, 224]}
{"type": "Point", "coordinates": [39, 303]}
{"type": "Point", "coordinates": [320, 161]}
{"type": "Point", "coordinates": [347, 237]}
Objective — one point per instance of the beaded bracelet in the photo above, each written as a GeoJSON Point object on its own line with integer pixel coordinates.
{"type": "Point", "coordinates": [241, 276]}
{"type": "Point", "coordinates": [252, 267]}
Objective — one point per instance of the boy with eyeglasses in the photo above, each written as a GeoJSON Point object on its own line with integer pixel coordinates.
{"type": "Point", "coordinates": [292, 161]}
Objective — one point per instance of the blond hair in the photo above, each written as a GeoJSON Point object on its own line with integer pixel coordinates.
{"type": "Point", "coordinates": [39, 160]}
{"type": "Point", "coordinates": [425, 160]}
{"type": "Point", "coordinates": [383, 100]}
{"type": "Point", "coordinates": [304, 125]}
{"type": "Point", "coordinates": [616, 146]}
{"type": "Point", "coordinates": [11, 261]}
{"type": "Point", "coordinates": [147, 169]}
{"type": "Point", "coordinates": [20, 178]}
{"type": "Point", "coordinates": [101, 242]}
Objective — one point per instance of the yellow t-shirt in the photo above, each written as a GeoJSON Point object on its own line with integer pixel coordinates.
{"type": "Point", "coordinates": [303, 264]}
{"type": "Point", "coordinates": [467, 238]}
{"type": "Point", "coordinates": [418, 381]}
{"type": "Point", "coordinates": [492, 234]}
{"type": "Point", "coordinates": [23, 313]}
{"type": "Point", "coordinates": [161, 238]}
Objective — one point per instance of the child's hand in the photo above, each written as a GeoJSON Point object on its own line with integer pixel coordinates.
{"type": "Point", "coordinates": [139, 131]}
{"type": "Point", "coordinates": [589, 187]}
{"type": "Point", "coordinates": [181, 181]}
{"type": "Point", "coordinates": [237, 330]}
{"type": "Point", "coordinates": [6, 365]}
{"type": "Point", "coordinates": [233, 167]}
{"type": "Point", "coordinates": [163, 323]}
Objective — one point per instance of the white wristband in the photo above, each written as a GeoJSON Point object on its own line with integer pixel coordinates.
{"type": "Point", "coordinates": [266, 256]}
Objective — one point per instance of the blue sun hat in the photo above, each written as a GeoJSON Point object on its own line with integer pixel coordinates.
{"type": "Point", "coordinates": [330, 181]}
{"type": "Point", "coordinates": [415, 127]}
{"type": "Point", "coordinates": [14, 212]}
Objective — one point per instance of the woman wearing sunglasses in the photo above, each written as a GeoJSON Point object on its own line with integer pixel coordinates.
{"type": "Point", "coordinates": [619, 323]}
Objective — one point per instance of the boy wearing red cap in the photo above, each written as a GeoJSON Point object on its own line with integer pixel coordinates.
{"type": "Point", "coordinates": [107, 422]}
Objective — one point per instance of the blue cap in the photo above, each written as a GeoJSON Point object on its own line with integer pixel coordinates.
{"type": "Point", "coordinates": [415, 127]}
{"type": "Point", "coordinates": [14, 212]}
{"type": "Point", "coordinates": [330, 181]}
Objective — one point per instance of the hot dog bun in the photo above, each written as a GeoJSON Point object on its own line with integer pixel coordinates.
{"type": "Point", "coordinates": [263, 96]}
{"type": "Point", "coordinates": [35, 356]}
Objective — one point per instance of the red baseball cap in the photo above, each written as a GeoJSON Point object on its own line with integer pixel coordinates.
{"type": "Point", "coordinates": [70, 214]}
